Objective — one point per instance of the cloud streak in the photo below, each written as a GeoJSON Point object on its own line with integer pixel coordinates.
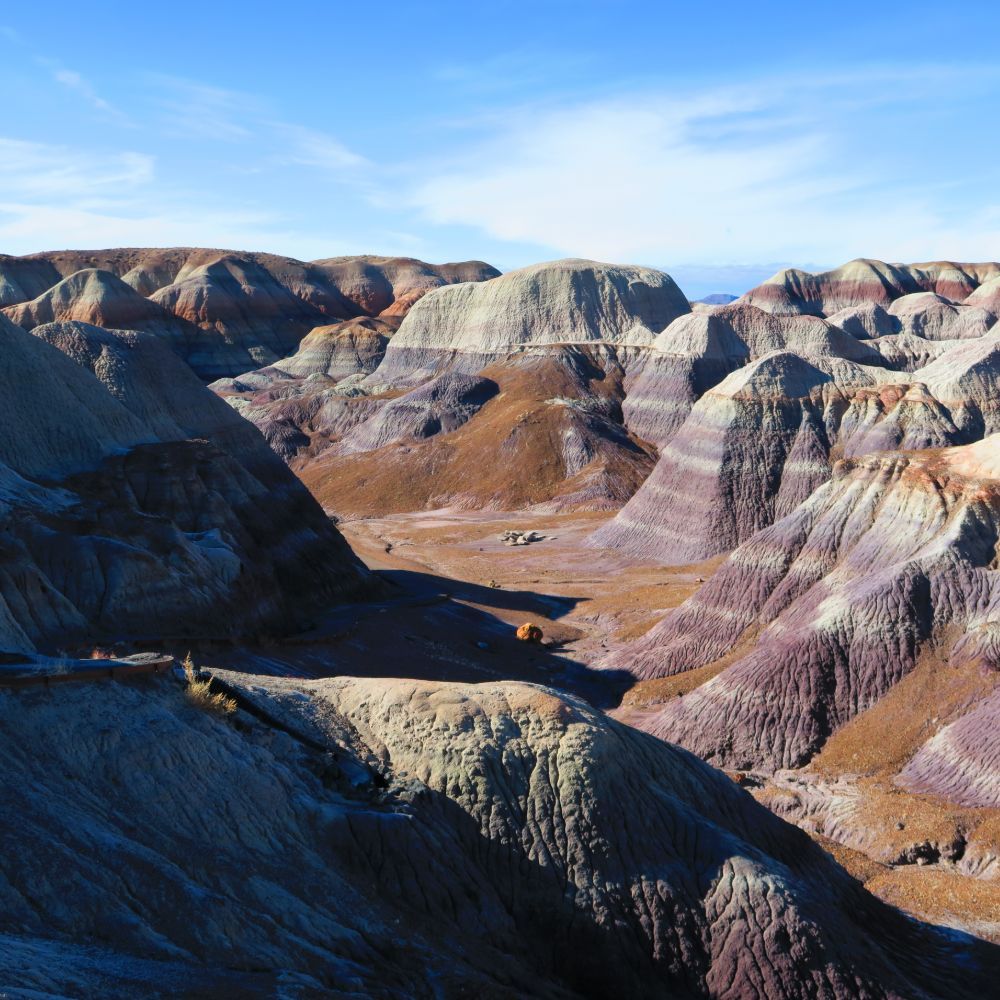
{"type": "Point", "coordinates": [34, 171]}
{"type": "Point", "coordinates": [774, 171]}
{"type": "Point", "coordinates": [75, 81]}
{"type": "Point", "coordinates": [59, 196]}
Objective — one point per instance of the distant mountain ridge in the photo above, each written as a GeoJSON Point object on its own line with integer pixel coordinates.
{"type": "Point", "coordinates": [222, 311]}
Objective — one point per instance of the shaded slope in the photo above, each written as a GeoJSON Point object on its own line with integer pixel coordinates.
{"type": "Point", "coordinates": [124, 516]}
{"type": "Point", "coordinates": [396, 838]}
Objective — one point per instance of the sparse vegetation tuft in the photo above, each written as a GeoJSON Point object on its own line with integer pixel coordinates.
{"type": "Point", "coordinates": [199, 692]}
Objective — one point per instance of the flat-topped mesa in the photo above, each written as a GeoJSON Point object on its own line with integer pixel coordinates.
{"type": "Point", "coordinates": [561, 302]}
{"type": "Point", "coordinates": [864, 281]}
{"type": "Point", "coordinates": [114, 454]}
{"type": "Point", "coordinates": [894, 552]}
{"type": "Point", "coordinates": [238, 311]}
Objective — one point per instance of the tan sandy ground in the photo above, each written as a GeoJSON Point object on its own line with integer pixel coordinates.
{"type": "Point", "coordinates": [601, 597]}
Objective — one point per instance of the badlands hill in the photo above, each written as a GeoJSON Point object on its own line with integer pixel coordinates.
{"type": "Point", "coordinates": [817, 460]}
{"type": "Point", "coordinates": [847, 655]}
{"type": "Point", "coordinates": [754, 411]}
{"type": "Point", "coordinates": [137, 503]}
{"type": "Point", "coordinates": [857, 497]}
{"type": "Point", "coordinates": [563, 302]}
{"type": "Point", "coordinates": [863, 282]}
{"type": "Point", "coordinates": [554, 339]}
{"type": "Point", "coordinates": [601, 367]}
{"type": "Point", "coordinates": [816, 437]}
{"type": "Point", "coordinates": [894, 553]}
{"type": "Point", "coordinates": [376, 838]}
{"type": "Point", "coordinates": [222, 311]}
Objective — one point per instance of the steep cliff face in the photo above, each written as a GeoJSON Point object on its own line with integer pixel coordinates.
{"type": "Point", "coordinates": [136, 502]}
{"type": "Point", "coordinates": [401, 838]}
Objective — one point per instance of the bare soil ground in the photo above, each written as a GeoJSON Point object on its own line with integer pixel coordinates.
{"type": "Point", "coordinates": [509, 455]}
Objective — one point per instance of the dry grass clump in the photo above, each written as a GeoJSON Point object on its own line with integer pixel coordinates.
{"type": "Point", "coordinates": [200, 692]}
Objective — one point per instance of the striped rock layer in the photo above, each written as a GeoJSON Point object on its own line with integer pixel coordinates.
{"type": "Point", "coordinates": [861, 282]}
{"type": "Point", "coordinates": [758, 443]}
{"type": "Point", "coordinates": [896, 552]}
{"type": "Point", "coordinates": [222, 311]}
{"type": "Point", "coordinates": [561, 302]}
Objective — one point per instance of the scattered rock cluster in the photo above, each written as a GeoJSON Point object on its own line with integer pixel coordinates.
{"type": "Point", "coordinates": [512, 537]}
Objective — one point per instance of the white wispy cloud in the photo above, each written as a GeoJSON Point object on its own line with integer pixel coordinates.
{"type": "Point", "coordinates": [76, 82]}
{"type": "Point", "coordinates": [311, 148]}
{"type": "Point", "coordinates": [196, 110]}
{"type": "Point", "coordinates": [35, 171]}
{"type": "Point", "coordinates": [58, 196]}
{"type": "Point", "coordinates": [26, 227]}
{"type": "Point", "coordinates": [768, 171]}
{"type": "Point", "coordinates": [192, 109]}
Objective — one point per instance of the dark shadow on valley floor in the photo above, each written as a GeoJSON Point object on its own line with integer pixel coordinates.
{"type": "Point", "coordinates": [424, 629]}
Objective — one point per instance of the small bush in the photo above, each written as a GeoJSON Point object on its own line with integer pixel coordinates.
{"type": "Point", "coordinates": [200, 694]}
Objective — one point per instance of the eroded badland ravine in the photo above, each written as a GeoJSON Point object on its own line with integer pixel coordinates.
{"type": "Point", "coordinates": [756, 752]}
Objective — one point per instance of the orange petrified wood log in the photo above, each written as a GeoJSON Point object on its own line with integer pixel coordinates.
{"type": "Point", "coordinates": [529, 632]}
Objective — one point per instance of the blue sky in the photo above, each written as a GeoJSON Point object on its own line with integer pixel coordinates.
{"type": "Point", "coordinates": [718, 142]}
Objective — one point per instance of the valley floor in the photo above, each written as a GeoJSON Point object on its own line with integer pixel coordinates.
{"type": "Point", "coordinates": [590, 601]}
{"type": "Point", "coordinates": [455, 595]}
